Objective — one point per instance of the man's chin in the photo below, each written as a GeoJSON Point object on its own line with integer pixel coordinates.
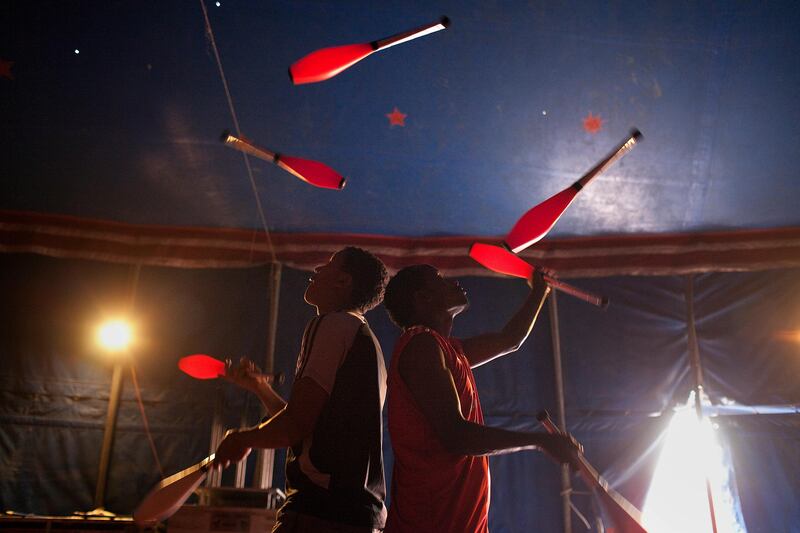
{"type": "Point", "coordinates": [308, 296]}
{"type": "Point", "coordinates": [460, 308]}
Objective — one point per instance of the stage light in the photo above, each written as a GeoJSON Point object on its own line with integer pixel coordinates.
{"type": "Point", "coordinates": [789, 335]}
{"type": "Point", "coordinates": [115, 335]}
{"type": "Point", "coordinates": [691, 453]}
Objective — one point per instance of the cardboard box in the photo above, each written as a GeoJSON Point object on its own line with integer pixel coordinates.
{"type": "Point", "coordinates": [203, 519]}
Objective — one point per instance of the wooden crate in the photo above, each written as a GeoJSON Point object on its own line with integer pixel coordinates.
{"type": "Point", "coordinates": [66, 524]}
{"type": "Point", "coordinates": [203, 519]}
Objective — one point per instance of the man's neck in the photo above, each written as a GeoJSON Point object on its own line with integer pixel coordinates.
{"type": "Point", "coordinates": [441, 324]}
{"type": "Point", "coordinates": [325, 309]}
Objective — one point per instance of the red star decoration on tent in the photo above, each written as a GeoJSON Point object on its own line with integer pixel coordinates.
{"type": "Point", "coordinates": [5, 69]}
{"type": "Point", "coordinates": [396, 118]}
{"type": "Point", "coordinates": [592, 124]}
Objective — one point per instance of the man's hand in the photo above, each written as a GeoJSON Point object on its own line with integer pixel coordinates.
{"type": "Point", "coordinates": [245, 375]}
{"type": "Point", "coordinates": [537, 278]}
{"type": "Point", "coordinates": [561, 448]}
{"type": "Point", "coordinates": [232, 449]}
{"type": "Point", "coordinates": [249, 377]}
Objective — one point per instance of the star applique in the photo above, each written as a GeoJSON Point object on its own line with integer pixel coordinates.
{"type": "Point", "coordinates": [5, 69]}
{"type": "Point", "coordinates": [592, 124]}
{"type": "Point", "coordinates": [396, 118]}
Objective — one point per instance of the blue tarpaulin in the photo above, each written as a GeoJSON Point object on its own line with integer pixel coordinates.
{"type": "Point", "coordinates": [621, 367]}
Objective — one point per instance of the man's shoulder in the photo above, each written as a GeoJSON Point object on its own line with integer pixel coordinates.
{"type": "Point", "coordinates": [342, 319]}
{"type": "Point", "coordinates": [426, 335]}
{"type": "Point", "coordinates": [338, 324]}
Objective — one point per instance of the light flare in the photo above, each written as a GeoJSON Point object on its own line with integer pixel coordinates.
{"type": "Point", "coordinates": [789, 335]}
{"type": "Point", "coordinates": [677, 501]}
{"type": "Point", "coordinates": [115, 335]}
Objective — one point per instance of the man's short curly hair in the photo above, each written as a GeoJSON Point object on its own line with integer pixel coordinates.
{"type": "Point", "coordinates": [369, 277]}
{"type": "Point", "coordinates": [399, 298]}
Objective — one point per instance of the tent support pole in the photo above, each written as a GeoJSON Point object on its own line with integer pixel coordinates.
{"type": "Point", "coordinates": [697, 374]}
{"type": "Point", "coordinates": [108, 438]}
{"type": "Point", "coordinates": [566, 485]}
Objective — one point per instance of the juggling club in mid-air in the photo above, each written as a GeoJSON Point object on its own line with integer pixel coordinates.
{"type": "Point", "coordinates": [313, 172]}
{"type": "Point", "coordinates": [326, 63]}
{"type": "Point", "coordinates": [539, 220]}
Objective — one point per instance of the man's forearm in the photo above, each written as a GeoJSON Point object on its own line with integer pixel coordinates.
{"type": "Point", "coordinates": [468, 438]}
{"type": "Point", "coordinates": [519, 327]}
{"type": "Point", "coordinates": [277, 432]}
{"type": "Point", "coordinates": [271, 400]}
{"type": "Point", "coordinates": [484, 348]}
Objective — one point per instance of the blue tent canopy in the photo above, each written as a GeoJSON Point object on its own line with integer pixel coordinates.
{"type": "Point", "coordinates": [114, 112]}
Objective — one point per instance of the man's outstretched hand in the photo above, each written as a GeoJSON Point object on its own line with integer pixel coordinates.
{"type": "Point", "coordinates": [562, 448]}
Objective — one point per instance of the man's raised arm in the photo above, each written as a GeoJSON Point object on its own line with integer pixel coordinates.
{"type": "Point", "coordinates": [483, 348]}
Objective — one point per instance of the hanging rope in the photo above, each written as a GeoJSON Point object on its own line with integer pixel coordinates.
{"type": "Point", "coordinates": [213, 43]}
{"type": "Point", "coordinates": [144, 420]}
{"type": "Point", "coordinates": [133, 287]}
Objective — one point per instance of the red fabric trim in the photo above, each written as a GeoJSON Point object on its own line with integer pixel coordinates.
{"type": "Point", "coordinates": [197, 247]}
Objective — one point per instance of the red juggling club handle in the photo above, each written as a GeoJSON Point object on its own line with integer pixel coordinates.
{"type": "Point", "coordinates": [539, 220]}
{"type": "Point", "coordinates": [626, 517]}
{"type": "Point", "coordinates": [500, 260]}
{"type": "Point", "coordinates": [326, 63]}
{"type": "Point", "coordinates": [312, 172]}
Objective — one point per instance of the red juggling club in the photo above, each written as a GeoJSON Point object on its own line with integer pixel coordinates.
{"type": "Point", "coordinates": [500, 260]}
{"type": "Point", "coordinates": [626, 517]}
{"type": "Point", "coordinates": [326, 63]}
{"type": "Point", "coordinates": [539, 220]}
{"type": "Point", "coordinates": [312, 172]}
{"type": "Point", "coordinates": [167, 497]}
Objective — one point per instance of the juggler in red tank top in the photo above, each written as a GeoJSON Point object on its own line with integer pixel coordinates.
{"type": "Point", "coordinates": [434, 490]}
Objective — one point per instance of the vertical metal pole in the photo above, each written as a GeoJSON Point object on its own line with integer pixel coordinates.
{"type": "Point", "coordinates": [265, 459]}
{"type": "Point", "coordinates": [214, 478]}
{"type": "Point", "coordinates": [697, 374]}
{"type": "Point", "coordinates": [566, 485]}
{"type": "Point", "coordinates": [241, 466]}
{"type": "Point", "coordinates": [113, 407]}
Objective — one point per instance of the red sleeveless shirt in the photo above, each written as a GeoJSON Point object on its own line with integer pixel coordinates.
{"type": "Point", "coordinates": [434, 490]}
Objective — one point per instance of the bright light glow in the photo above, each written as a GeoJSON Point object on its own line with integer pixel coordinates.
{"type": "Point", "coordinates": [789, 335]}
{"type": "Point", "coordinates": [677, 501]}
{"type": "Point", "coordinates": [77, 51]}
{"type": "Point", "coordinates": [115, 335]}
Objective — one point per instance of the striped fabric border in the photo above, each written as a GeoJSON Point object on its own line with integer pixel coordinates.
{"type": "Point", "coordinates": [195, 247]}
